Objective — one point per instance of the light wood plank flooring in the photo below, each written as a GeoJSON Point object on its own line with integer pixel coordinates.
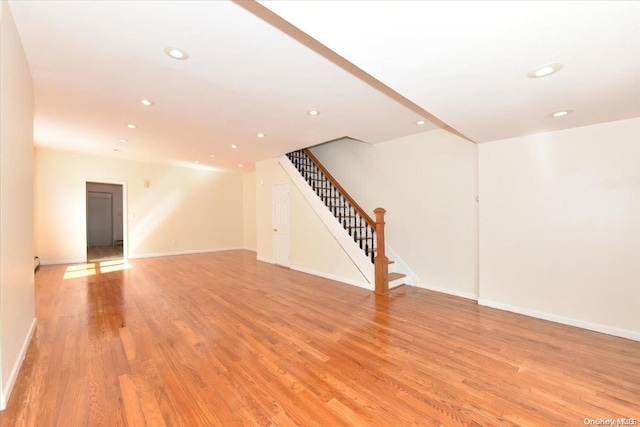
{"type": "Point", "coordinates": [221, 339]}
{"type": "Point", "coordinates": [104, 253]}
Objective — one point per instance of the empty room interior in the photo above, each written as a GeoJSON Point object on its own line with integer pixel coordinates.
{"type": "Point", "coordinates": [355, 213]}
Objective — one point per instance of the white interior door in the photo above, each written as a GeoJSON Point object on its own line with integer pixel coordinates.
{"type": "Point", "coordinates": [281, 224]}
{"type": "Point", "coordinates": [99, 219]}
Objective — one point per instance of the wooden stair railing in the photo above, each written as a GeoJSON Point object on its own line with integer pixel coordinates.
{"type": "Point", "coordinates": [366, 232]}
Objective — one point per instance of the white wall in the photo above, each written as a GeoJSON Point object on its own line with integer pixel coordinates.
{"type": "Point", "coordinates": [249, 210]}
{"type": "Point", "coordinates": [16, 203]}
{"type": "Point", "coordinates": [182, 210]}
{"type": "Point", "coordinates": [560, 226]}
{"type": "Point", "coordinates": [117, 205]}
{"type": "Point", "coordinates": [313, 248]}
{"type": "Point", "coordinates": [428, 185]}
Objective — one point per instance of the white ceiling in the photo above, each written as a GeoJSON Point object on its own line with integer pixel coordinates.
{"type": "Point", "coordinates": [466, 62]}
{"type": "Point", "coordinates": [372, 68]}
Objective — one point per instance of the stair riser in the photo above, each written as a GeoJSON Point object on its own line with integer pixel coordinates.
{"type": "Point", "coordinates": [397, 282]}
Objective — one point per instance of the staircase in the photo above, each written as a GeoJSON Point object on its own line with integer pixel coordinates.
{"type": "Point", "coordinates": [361, 236]}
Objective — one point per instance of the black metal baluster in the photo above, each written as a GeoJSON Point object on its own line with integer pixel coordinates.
{"type": "Point", "coordinates": [345, 210]}
{"type": "Point", "coordinates": [367, 229]}
{"type": "Point", "coordinates": [360, 228]}
{"type": "Point", "coordinates": [366, 242]}
{"type": "Point", "coordinates": [325, 188]}
{"type": "Point", "coordinates": [333, 205]}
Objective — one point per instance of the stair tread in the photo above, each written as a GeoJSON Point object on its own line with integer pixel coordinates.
{"type": "Point", "coordinates": [396, 276]}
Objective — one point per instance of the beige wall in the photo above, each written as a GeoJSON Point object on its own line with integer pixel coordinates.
{"type": "Point", "coordinates": [428, 185]}
{"type": "Point", "coordinates": [182, 210]}
{"type": "Point", "coordinates": [249, 210]}
{"type": "Point", "coordinates": [560, 226]}
{"type": "Point", "coordinates": [313, 248]}
{"type": "Point", "coordinates": [16, 202]}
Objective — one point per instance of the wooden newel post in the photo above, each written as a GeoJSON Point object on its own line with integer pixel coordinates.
{"type": "Point", "coordinates": [381, 261]}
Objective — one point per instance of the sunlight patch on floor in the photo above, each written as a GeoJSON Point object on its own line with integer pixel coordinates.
{"type": "Point", "coordinates": [77, 272]}
{"type": "Point", "coordinates": [90, 269]}
{"type": "Point", "coordinates": [110, 266]}
{"type": "Point", "coordinates": [81, 267]}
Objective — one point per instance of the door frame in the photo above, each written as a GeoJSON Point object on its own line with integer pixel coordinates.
{"type": "Point", "coordinates": [125, 214]}
{"type": "Point", "coordinates": [273, 216]}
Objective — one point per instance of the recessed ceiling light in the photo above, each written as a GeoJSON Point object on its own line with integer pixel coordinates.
{"type": "Point", "coordinates": [561, 113]}
{"type": "Point", "coordinates": [313, 112]}
{"type": "Point", "coordinates": [234, 146]}
{"type": "Point", "coordinates": [117, 149]}
{"type": "Point", "coordinates": [544, 70]}
{"type": "Point", "coordinates": [131, 126]}
{"type": "Point", "coordinates": [420, 122]}
{"type": "Point", "coordinates": [260, 135]}
{"type": "Point", "coordinates": [146, 102]}
{"type": "Point", "coordinates": [176, 52]}
{"type": "Point", "coordinates": [240, 165]}
{"type": "Point", "coordinates": [122, 140]}
{"type": "Point", "coordinates": [212, 155]}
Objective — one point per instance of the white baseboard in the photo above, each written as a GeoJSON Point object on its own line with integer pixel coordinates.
{"type": "Point", "coordinates": [250, 249]}
{"type": "Point", "coordinates": [148, 255]}
{"type": "Point", "coordinates": [190, 252]}
{"type": "Point", "coordinates": [8, 387]}
{"type": "Point", "coordinates": [461, 294]}
{"type": "Point", "coordinates": [63, 261]}
{"type": "Point", "coordinates": [360, 284]}
{"type": "Point", "coordinates": [263, 259]}
{"type": "Point", "coordinates": [632, 335]}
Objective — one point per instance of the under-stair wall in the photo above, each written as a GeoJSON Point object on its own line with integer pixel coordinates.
{"type": "Point", "coordinates": [428, 184]}
{"type": "Point", "coordinates": [325, 257]}
{"type": "Point", "coordinates": [359, 235]}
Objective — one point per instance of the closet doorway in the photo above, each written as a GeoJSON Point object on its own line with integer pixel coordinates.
{"type": "Point", "coordinates": [105, 221]}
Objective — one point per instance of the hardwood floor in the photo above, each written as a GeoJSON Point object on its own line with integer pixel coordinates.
{"type": "Point", "coordinates": [221, 339]}
{"type": "Point", "coordinates": [104, 253]}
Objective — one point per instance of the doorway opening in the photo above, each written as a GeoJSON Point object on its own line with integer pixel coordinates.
{"type": "Point", "coordinates": [105, 221]}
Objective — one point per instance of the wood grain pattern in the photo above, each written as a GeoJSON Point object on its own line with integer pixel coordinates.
{"type": "Point", "coordinates": [222, 339]}
{"type": "Point", "coordinates": [381, 263]}
{"type": "Point", "coordinates": [102, 253]}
